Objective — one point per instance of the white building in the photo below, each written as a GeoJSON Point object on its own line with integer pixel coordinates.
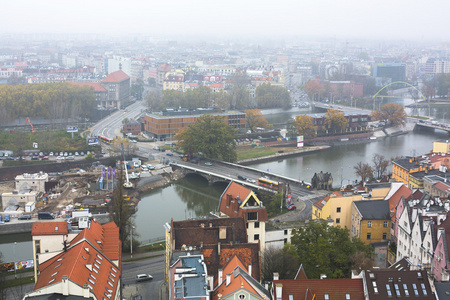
{"type": "Point", "coordinates": [34, 182]}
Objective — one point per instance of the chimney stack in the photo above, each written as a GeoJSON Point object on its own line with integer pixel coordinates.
{"type": "Point", "coordinates": [276, 276]}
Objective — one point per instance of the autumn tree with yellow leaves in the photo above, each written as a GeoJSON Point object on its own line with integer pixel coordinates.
{"type": "Point", "coordinates": [335, 121]}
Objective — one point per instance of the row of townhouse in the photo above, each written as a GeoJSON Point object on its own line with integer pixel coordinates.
{"type": "Point", "coordinates": [70, 264]}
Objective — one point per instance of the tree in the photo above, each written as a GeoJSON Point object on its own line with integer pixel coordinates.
{"type": "Point", "coordinates": [312, 88]}
{"type": "Point", "coordinates": [363, 170]}
{"type": "Point", "coordinates": [335, 120]}
{"type": "Point", "coordinates": [324, 249]}
{"type": "Point", "coordinates": [391, 113]}
{"type": "Point", "coordinates": [210, 135]}
{"type": "Point", "coordinates": [305, 126]}
{"type": "Point", "coordinates": [380, 164]}
{"type": "Point", "coordinates": [283, 261]}
{"type": "Point", "coordinates": [154, 100]}
{"type": "Point", "coordinates": [120, 212]}
{"type": "Point", "coordinates": [239, 98]}
{"type": "Point", "coordinates": [137, 89]}
{"type": "Point", "coordinates": [269, 96]}
{"type": "Point", "coordinates": [255, 118]}
{"type": "Point", "coordinates": [221, 99]}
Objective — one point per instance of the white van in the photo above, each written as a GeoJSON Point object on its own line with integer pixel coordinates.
{"type": "Point", "coordinates": [144, 168]}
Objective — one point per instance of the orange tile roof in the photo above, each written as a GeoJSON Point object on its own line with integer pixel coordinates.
{"type": "Point", "coordinates": [96, 85]}
{"type": "Point", "coordinates": [403, 191]}
{"type": "Point", "coordinates": [232, 199]}
{"type": "Point", "coordinates": [104, 237]}
{"type": "Point", "coordinates": [335, 288]}
{"type": "Point", "coordinates": [49, 228]}
{"type": "Point", "coordinates": [441, 186]}
{"type": "Point", "coordinates": [82, 264]}
{"type": "Point", "coordinates": [116, 76]}
{"type": "Point", "coordinates": [321, 202]}
{"type": "Point", "coordinates": [218, 85]}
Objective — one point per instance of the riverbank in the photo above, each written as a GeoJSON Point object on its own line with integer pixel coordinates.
{"type": "Point", "coordinates": [294, 152]}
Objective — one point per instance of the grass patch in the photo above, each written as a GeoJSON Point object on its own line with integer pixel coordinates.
{"type": "Point", "coordinates": [261, 152]}
{"type": "Point", "coordinates": [19, 281]}
{"type": "Point", "coordinates": [420, 117]}
{"type": "Point", "coordinates": [12, 163]}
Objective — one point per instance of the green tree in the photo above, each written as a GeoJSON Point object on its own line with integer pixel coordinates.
{"type": "Point", "coordinates": [254, 119]}
{"type": "Point", "coordinates": [154, 100]}
{"type": "Point", "coordinates": [269, 96]}
{"type": "Point", "coordinates": [391, 113]}
{"type": "Point", "coordinates": [363, 170]}
{"type": "Point", "coordinates": [283, 261]}
{"type": "Point", "coordinates": [305, 126]}
{"type": "Point", "coordinates": [210, 135]}
{"type": "Point", "coordinates": [335, 120]}
{"type": "Point", "coordinates": [239, 98]}
{"type": "Point", "coordinates": [221, 99]}
{"type": "Point", "coordinates": [137, 89]}
{"type": "Point", "coordinates": [328, 250]}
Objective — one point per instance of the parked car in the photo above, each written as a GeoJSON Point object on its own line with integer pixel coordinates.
{"type": "Point", "coordinates": [25, 217]}
{"type": "Point", "coordinates": [66, 154]}
{"type": "Point", "coordinates": [143, 277]}
{"type": "Point", "coordinates": [156, 148]}
{"type": "Point", "coordinates": [35, 158]}
{"type": "Point", "coordinates": [251, 180]}
{"type": "Point", "coordinates": [45, 158]}
{"type": "Point", "coordinates": [208, 163]}
{"type": "Point", "coordinates": [6, 218]}
{"type": "Point", "coordinates": [169, 154]}
{"type": "Point", "coordinates": [70, 157]}
{"type": "Point", "coordinates": [82, 153]}
{"type": "Point", "coordinates": [51, 154]}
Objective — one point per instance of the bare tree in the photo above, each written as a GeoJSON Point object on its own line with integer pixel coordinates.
{"type": "Point", "coordinates": [380, 164]}
{"type": "Point", "coordinates": [364, 171]}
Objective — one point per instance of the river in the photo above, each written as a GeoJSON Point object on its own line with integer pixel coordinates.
{"type": "Point", "coordinates": [193, 197]}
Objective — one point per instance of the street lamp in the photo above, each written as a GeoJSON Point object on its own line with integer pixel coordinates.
{"type": "Point", "coordinates": [131, 242]}
{"type": "Point", "coordinates": [15, 273]}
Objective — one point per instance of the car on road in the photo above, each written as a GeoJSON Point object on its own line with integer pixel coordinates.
{"type": "Point", "coordinates": [133, 141]}
{"type": "Point", "coordinates": [150, 167]}
{"type": "Point", "coordinates": [242, 177]}
{"type": "Point", "coordinates": [291, 206]}
{"type": "Point", "coordinates": [156, 148]}
{"type": "Point", "coordinates": [143, 277]}
{"type": "Point", "coordinates": [45, 158]}
{"type": "Point", "coordinates": [251, 180]}
{"type": "Point", "coordinates": [169, 154]}
{"type": "Point", "coordinates": [60, 158]}
{"type": "Point", "coordinates": [70, 157]}
{"type": "Point", "coordinates": [208, 163]}
{"type": "Point", "coordinates": [6, 218]}
{"type": "Point", "coordinates": [25, 217]}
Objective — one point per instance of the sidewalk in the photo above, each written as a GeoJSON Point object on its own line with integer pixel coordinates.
{"type": "Point", "coordinates": [126, 257]}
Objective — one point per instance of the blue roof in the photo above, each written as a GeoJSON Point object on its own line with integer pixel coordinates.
{"type": "Point", "coordinates": [191, 277]}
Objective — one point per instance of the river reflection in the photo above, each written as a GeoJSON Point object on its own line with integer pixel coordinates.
{"type": "Point", "coordinates": [187, 198]}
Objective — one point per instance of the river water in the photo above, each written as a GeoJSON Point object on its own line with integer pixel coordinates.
{"type": "Point", "coordinates": [193, 197]}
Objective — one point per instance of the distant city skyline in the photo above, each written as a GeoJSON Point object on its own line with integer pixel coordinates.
{"type": "Point", "coordinates": [383, 19]}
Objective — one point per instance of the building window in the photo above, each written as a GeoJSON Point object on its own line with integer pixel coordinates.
{"type": "Point", "coordinates": [369, 224]}
{"type": "Point", "coordinates": [384, 236]}
{"type": "Point", "coordinates": [256, 224]}
{"type": "Point", "coordinates": [338, 220]}
{"type": "Point", "coordinates": [385, 224]}
{"type": "Point", "coordinates": [369, 236]}
{"type": "Point", "coordinates": [326, 297]}
{"type": "Point", "coordinates": [37, 245]}
{"type": "Point", "coordinates": [338, 209]}
{"type": "Point", "coordinates": [252, 216]}
{"type": "Point", "coordinates": [241, 297]}
{"type": "Point", "coordinates": [347, 296]}
{"type": "Point", "coordinates": [285, 232]}
{"type": "Point", "coordinates": [285, 241]}
{"type": "Point", "coordinates": [256, 237]}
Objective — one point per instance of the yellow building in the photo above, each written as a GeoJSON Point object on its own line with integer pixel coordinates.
{"type": "Point", "coordinates": [403, 167]}
{"type": "Point", "coordinates": [378, 190]}
{"type": "Point", "coordinates": [370, 221]}
{"type": "Point", "coordinates": [335, 207]}
{"type": "Point", "coordinates": [442, 146]}
{"type": "Point", "coordinates": [174, 82]}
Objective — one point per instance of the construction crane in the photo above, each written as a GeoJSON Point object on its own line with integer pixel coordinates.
{"type": "Point", "coordinates": [127, 184]}
{"type": "Point", "coordinates": [28, 121]}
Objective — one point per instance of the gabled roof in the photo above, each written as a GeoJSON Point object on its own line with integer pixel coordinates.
{"type": "Point", "coordinates": [403, 264]}
{"type": "Point", "coordinates": [247, 253]}
{"type": "Point", "coordinates": [301, 274]}
{"type": "Point", "coordinates": [373, 209]}
{"type": "Point", "coordinates": [441, 186]}
{"type": "Point", "coordinates": [82, 264]}
{"type": "Point", "coordinates": [238, 201]}
{"type": "Point", "coordinates": [402, 191]}
{"type": "Point", "coordinates": [317, 288]}
{"type": "Point", "coordinates": [104, 237]}
{"type": "Point", "coordinates": [321, 203]}
{"type": "Point", "coordinates": [49, 228]}
{"type": "Point", "coordinates": [116, 76]}
{"type": "Point", "coordinates": [96, 85]}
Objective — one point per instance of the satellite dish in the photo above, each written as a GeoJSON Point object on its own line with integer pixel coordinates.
{"type": "Point", "coordinates": [190, 248]}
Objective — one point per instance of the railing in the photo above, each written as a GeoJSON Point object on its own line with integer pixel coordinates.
{"type": "Point", "coordinates": [153, 241]}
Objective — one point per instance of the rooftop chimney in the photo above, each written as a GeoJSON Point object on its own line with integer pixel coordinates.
{"type": "Point", "coordinates": [276, 276]}
{"type": "Point", "coordinates": [65, 285]}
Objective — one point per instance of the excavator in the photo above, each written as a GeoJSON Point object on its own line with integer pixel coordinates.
{"type": "Point", "coordinates": [127, 184]}
{"type": "Point", "coordinates": [28, 121]}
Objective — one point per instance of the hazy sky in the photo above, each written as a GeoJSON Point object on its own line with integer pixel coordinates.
{"type": "Point", "coordinates": [411, 19]}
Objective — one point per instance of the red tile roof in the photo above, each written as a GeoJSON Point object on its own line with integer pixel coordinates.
{"type": "Point", "coordinates": [217, 85]}
{"type": "Point", "coordinates": [96, 85]}
{"type": "Point", "coordinates": [238, 201]}
{"type": "Point", "coordinates": [82, 264]}
{"type": "Point", "coordinates": [49, 228]}
{"type": "Point", "coordinates": [403, 191]}
{"type": "Point", "coordinates": [164, 68]}
{"type": "Point", "coordinates": [324, 200]}
{"type": "Point", "coordinates": [116, 76]}
{"type": "Point", "coordinates": [104, 237]}
{"type": "Point", "coordinates": [335, 288]}
{"type": "Point", "coordinates": [441, 186]}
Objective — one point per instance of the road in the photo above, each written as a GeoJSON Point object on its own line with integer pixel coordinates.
{"type": "Point", "coordinates": [147, 289]}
